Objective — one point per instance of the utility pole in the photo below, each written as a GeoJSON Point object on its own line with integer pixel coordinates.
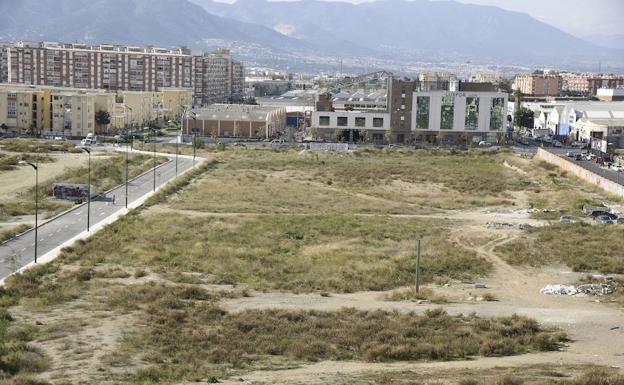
{"type": "Point", "coordinates": [88, 151]}
{"type": "Point", "coordinates": [36, 168]}
{"type": "Point", "coordinates": [417, 286]}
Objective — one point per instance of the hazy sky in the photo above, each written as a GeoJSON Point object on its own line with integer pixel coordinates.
{"type": "Point", "coordinates": [578, 17]}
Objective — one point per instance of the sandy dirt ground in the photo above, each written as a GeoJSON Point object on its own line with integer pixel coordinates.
{"type": "Point", "coordinates": [23, 178]}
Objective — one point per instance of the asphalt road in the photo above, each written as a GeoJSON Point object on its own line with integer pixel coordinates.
{"type": "Point", "coordinates": [19, 252]}
{"type": "Point", "coordinates": [588, 165]}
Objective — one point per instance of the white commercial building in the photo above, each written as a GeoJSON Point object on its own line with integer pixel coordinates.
{"type": "Point", "coordinates": [352, 123]}
{"type": "Point", "coordinates": [459, 112]}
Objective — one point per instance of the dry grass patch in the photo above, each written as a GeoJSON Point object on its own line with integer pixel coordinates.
{"type": "Point", "coordinates": [581, 246]}
{"type": "Point", "coordinates": [557, 190]}
{"type": "Point", "coordinates": [196, 341]}
{"type": "Point", "coordinates": [333, 253]}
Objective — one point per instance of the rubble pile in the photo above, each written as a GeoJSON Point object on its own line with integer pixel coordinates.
{"type": "Point", "coordinates": [609, 287]}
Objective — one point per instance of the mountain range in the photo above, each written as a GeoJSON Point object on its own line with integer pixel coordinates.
{"type": "Point", "coordinates": [398, 30]}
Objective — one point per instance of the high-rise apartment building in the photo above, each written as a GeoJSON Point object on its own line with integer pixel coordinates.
{"type": "Point", "coordinates": [214, 77]}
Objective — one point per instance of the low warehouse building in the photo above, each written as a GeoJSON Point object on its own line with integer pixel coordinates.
{"type": "Point", "coordinates": [236, 120]}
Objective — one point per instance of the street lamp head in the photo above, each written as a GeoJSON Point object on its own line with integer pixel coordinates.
{"type": "Point", "coordinates": [24, 163]}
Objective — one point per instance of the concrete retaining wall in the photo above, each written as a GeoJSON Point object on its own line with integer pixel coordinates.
{"type": "Point", "coordinates": [593, 178]}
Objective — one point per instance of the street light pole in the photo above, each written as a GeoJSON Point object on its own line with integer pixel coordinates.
{"type": "Point", "coordinates": [127, 151]}
{"type": "Point", "coordinates": [88, 151]}
{"type": "Point", "coordinates": [34, 166]}
{"type": "Point", "coordinates": [153, 138]}
{"type": "Point", "coordinates": [194, 144]}
{"type": "Point", "coordinates": [178, 137]}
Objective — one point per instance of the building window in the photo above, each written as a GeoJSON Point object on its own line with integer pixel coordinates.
{"type": "Point", "coordinates": [323, 120]}
{"type": "Point", "coordinates": [11, 109]}
{"type": "Point", "coordinates": [378, 122]}
{"type": "Point", "coordinates": [342, 121]}
{"type": "Point", "coordinates": [497, 114]}
{"type": "Point", "coordinates": [422, 112]}
{"type": "Point", "coordinates": [377, 137]}
{"type": "Point", "coordinates": [472, 113]}
{"type": "Point", "coordinates": [360, 122]}
{"type": "Point", "coordinates": [447, 113]}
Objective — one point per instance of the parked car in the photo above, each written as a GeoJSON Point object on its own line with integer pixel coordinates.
{"type": "Point", "coordinates": [604, 220]}
{"type": "Point", "coordinates": [617, 167]}
{"type": "Point", "coordinates": [599, 213]}
{"type": "Point", "coordinates": [557, 143]}
{"type": "Point", "coordinates": [620, 221]}
{"type": "Point", "coordinates": [570, 154]}
{"type": "Point", "coordinates": [579, 144]}
{"type": "Point", "coordinates": [483, 143]}
{"type": "Point", "coordinates": [567, 219]}
{"type": "Point", "coordinates": [578, 157]}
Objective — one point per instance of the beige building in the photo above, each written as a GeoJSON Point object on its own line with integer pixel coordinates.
{"type": "Point", "coordinates": [55, 111]}
{"type": "Point", "coordinates": [237, 120]}
{"type": "Point", "coordinates": [173, 102]}
{"type": "Point", "coordinates": [213, 77]}
{"type": "Point", "coordinates": [539, 84]}
{"type": "Point", "coordinates": [24, 110]}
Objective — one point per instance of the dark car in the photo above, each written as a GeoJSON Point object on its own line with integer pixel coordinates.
{"type": "Point", "coordinates": [598, 213]}
{"type": "Point", "coordinates": [620, 221]}
{"type": "Point", "coordinates": [578, 157]}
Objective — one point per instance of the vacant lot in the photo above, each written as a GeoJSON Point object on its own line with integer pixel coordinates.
{"type": "Point", "coordinates": [37, 146]}
{"type": "Point", "coordinates": [336, 253]}
{"type": "Point", "coordinates": [145, 300]}
{"type": "Point", "coordinates": [365, 182]}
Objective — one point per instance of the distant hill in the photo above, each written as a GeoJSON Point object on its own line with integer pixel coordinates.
{"type": "Point", "coordinates": [419, 29]}
{"type": "Point", "coordinates": [309, 33]}
{"type": "Point", "coordinates": [158, 22]}
{"type": "Point", "coordinates": [609, 41]}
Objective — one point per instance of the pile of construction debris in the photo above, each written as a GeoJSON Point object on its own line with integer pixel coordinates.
{"type": "Point", "coordinates": [606, 288]}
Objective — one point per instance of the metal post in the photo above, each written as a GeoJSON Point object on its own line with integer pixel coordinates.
{"type": "Point", "coordinates": [418, 267]}
{"type": "Point", "coordinates": [36, 208]}
{"type": "Point", "coordinates": [127, 151]}
{"type": "Point", "coordinates": [178, 139]}
{"type": "Point", "coordinates": [154, 151]}
{"type": "Point", "coordinates": [194, 144]}
{"type": "Point", "coordinates": [89, 198]}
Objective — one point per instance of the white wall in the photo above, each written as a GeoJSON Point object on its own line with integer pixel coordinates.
{"type": "Point", "coordinates": [351, 115]}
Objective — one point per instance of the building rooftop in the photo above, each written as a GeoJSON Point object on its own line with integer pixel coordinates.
{"type": "Point", "coordinates": [235, 112]}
